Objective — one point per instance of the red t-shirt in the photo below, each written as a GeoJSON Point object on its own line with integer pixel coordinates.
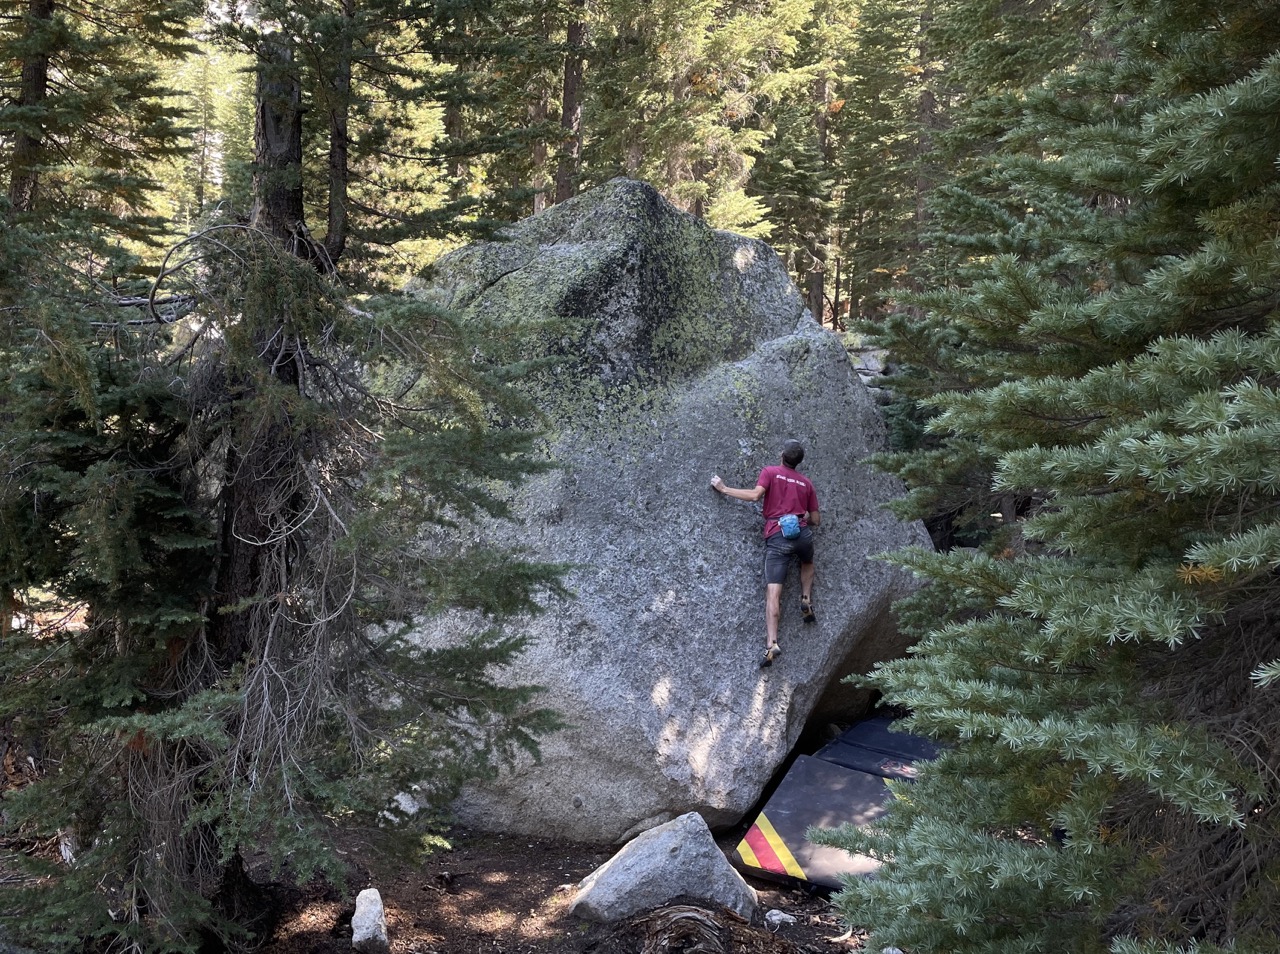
{"type": "Point", "coordinates": [785, 491]}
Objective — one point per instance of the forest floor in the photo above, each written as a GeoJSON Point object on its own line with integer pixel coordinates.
{"type": "Point", "coordinates": [505, 894]}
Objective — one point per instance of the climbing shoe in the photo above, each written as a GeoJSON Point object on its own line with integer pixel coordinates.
{"type": "Point", "coordinates": [770, 654]}
{"type": "Point", "coordinates": [806, 610]}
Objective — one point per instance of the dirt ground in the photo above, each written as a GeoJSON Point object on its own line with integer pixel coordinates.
{"type": "Point", "coordinates": [496, 894]}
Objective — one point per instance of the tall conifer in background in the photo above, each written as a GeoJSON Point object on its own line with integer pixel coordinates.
{"type": "Point", "coordinates": [81, 110]}
{"type": "Point", "coordinates": [1104, 352]}
{"type": "Point", "coordinates": [795, 176]}
{"type": "Point", "coordinates": [83, 117]}
{"type": "Point", "coordinates": [841, 167]}
{"type": "Point", "coordinates": [214, 172]}
{"type": "Point", "coordinates": [877, 132]}
{"type": "Point", "coordinates": [673, 90]}
{"type": "Point", "coordinates": [917, 235]}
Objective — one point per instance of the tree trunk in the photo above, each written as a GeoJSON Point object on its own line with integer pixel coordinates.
{"type": "Point", "coordinates": [814, 292]}
{"type": "Point", "coordinates": [277, 141]}
{"type": "Point", "coordinates": [8, 606]}
{"type": "Point", "coordinates": [927, 121]}
{"type": "Point", "coordinates": [835, 298]}
{"type": "Point", "coordinates": [28, 145]}
{"type": "Point", "coordinates": [700, 171]}
{"type": "Point", "coordinates": [335, 239]}
{"type": "Point", "coordinates": [541, 182]}
{"type": "Point", "coordinates": [203, 149]}
{"type": "Point", "coordinates": [821, 104]}
{"type": "Point", "coordinates": [454, 127]}
{"type": "Point", "coordinates": [260, 454]}
{"type": "Point", "coordinates": [570, 152]}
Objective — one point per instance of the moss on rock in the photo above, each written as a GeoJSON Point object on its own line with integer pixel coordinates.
{"type": "Point", "coordinates": [629, 295]}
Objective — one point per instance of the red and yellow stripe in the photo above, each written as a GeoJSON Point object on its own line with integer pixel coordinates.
{"type": "Point", "coordinates": [762, 848]}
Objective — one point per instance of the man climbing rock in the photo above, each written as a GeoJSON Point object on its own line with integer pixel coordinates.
{"type": "Point", "coordinates": [787, 494]}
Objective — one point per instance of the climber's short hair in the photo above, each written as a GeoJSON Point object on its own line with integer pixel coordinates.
{"type": "Point", "coordinates": [792, 453]}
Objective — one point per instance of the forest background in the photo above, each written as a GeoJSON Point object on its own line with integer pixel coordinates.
{"type": "Point", "coordinates": [229, 441]}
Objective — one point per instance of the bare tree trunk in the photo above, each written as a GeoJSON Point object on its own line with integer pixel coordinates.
{"type": "Point", "coordinates": [541, 182]}
{"type": "Point", "coordinates": [570, 153]}
{"type": "Point", "coordinates": [335, 239]}
{"type": "Point", "coordinates": [203, 150]}
{"type": "Point", "coordinates": [835, 300]}
{"type": "Point", "coordinates": [927, 121]}
{"type": "Point", "coordinates": [634, 157]}
{"type": "Point", "coordinates": [821, 103]}
{"type": "Point", "coordinates": [701, 169]}
{"type": "Point", "coordinates": [454, 127]}
{"type": "Point", "coordinates": [277, 143]}
{"type": "Point", "coordinates": [28, 146]}
{"type": "Point", "coordinates": [8, 606]}
{"type": "Point", "coordinates": [815, 291]}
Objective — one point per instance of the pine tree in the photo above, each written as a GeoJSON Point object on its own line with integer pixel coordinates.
{"type": "Point", "coordinates": [794, 176]}
{"type": "Point", "coordinates": [994, 59]}
{"type": "Point", "coordinates": [877, 157]}
{"type": "Point", "coordinates": [214, 172]}
{"type": "Point", "coordinates": [78, 109]}
{"type": "Point", "coordinates": [248, 482]}
{"type": "Point", "coordinates": [1102, 673]}
{"type": "Point", "coordinates": [674, 90]}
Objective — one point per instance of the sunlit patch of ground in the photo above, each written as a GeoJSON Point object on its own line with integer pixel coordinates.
{"type": "Point", "coordinates": [504, 895]}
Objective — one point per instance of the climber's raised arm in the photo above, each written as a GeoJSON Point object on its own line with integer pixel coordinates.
{"type": "Point", "coordinates": [754, 494]}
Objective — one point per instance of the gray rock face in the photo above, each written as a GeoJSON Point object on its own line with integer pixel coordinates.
{"type": "Point", "coordinates": [678, 859]}
{"type": "Point", "coordinates": [369, 924]}
{"type": "Point", "coordinates": [688, 352]}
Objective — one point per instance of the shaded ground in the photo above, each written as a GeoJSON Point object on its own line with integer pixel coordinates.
{"type": "Point", "coordinates": [491, 894]}
{"type": "Point", "coordinates": [495, 894]}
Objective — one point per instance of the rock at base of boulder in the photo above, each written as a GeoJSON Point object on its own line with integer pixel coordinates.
{"type": "Point", "coordinates": [677, 860]}
{"type": "Point", "coordinates": [369, 924]}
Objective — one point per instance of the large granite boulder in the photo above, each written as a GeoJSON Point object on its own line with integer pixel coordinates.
{"type": "Point", "coordinates": [686, 352]}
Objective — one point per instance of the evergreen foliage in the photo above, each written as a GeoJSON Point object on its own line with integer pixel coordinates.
{"type": "Point", "coordinates": [232, 485]}
{"type": "Point", "coordinates": [676, 88]}
{"type": "Point", "coordinates": [81, 103]}
{"type": "Point", "coordinates": [249, 553]}
{"type": "Point", "coordinates": [231, 494]}
{"type": "Point", "coordinates": [214, 171]}
{"type": "Point", "coordinates": [1098, 363]}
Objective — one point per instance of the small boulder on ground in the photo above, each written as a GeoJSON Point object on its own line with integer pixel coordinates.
{"type": "Point", "coordinates": [677, 860]}
{"type": "Point", "coordinates": [775, 919]}
{"type": "Point", "coordinates": [369, 924]}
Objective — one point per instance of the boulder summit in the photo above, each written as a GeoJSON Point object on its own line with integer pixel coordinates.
{"type": "Point", "coordinates": [683, 352]}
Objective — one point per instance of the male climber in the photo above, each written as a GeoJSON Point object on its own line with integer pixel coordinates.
{"type": "Point", "coordinates": [785, 492]}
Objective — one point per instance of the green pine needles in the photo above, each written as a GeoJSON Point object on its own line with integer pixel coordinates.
{"type": "Point", "coordinates": [247, 504]}
{"type": "Point", "coordinates": [1100, 379]}
{"type": "Point", "coordinates": [231, 492]}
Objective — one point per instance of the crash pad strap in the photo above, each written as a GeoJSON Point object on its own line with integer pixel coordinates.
{"type": "Point", "coordinates": [763, 849]}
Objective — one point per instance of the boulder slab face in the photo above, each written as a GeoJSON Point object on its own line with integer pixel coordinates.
{"type": "Point", "coordinates": [683, 352]}
{"type": "Point", "coordinates": [677, 860]}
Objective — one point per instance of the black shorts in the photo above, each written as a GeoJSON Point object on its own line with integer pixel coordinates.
{"type": "Point", "coordinates": [779, 551]}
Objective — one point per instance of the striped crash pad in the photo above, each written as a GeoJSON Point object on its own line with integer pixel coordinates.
{"type": "Point", "coordinates": [844, 783]}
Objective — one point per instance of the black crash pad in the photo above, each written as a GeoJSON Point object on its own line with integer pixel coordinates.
{"type": "Point", "coordinates": [843, 783]}
{"type": "Point", "coordinates": [862, 759]}
{"type": "Point", "coordinates": [814, 793]}
{"type": "Point", "coordinates": [874, 734]}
